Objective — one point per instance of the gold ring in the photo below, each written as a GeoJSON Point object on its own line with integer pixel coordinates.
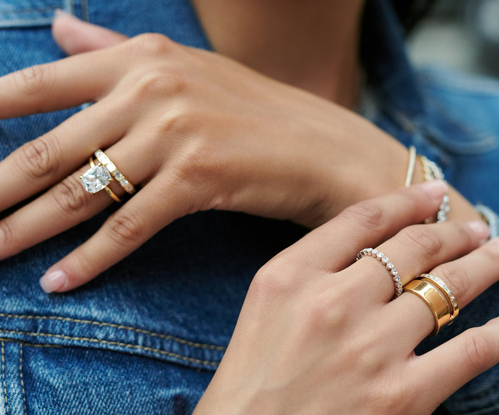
{"type": "Point", "coordinates": [434, 299]}
{"type": "Point", "coordinates": [113, 170]}
{"type": "Point", "coordinates": [96, 179]}
{"type": "Point", "coordinates": [451, 300]}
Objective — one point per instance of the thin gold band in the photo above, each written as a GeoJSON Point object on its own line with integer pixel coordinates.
{"type": "Point", "coordinates": [434, 299]}
{"type": "Point", "coordinates": [412, 164]}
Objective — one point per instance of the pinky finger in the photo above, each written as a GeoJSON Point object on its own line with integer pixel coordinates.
{"type": "Point", "coordinates": [445, 369]}
{"type": "Point", "coordinates": [125, 231]}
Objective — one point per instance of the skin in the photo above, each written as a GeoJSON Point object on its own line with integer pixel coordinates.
{"type": "Point", "coordinates": [215, 134]}
{"type": "Point", "coordinates": [319, 335]}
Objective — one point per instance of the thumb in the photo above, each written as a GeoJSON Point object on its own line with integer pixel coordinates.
{"type": "Point", "coordinates": [76, 36]}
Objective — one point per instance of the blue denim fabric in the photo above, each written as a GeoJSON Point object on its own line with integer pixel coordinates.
{"type": "Point", "coordinates": [146, 336]}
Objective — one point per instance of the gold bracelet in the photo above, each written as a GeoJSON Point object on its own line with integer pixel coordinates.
{"type": "Point", "coordinates": [412, 163]}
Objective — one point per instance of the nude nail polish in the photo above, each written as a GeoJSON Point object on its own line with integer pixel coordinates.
{"type": "Point", "coordinates": [53, 281]}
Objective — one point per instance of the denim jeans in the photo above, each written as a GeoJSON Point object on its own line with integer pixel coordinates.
{"type": "Point", "coordinates": [146, 336]}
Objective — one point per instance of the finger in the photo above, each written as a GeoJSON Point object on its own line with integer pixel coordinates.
{"type": "Point", "coordinates": [76, 36]}
{"type": "Point", "coordinates": [448, 367]}
{"type": "Point", "coordinates": [466, 277]}
{"type": "Point", "coordinates": [45, 161]}
{"type": "Point", "coordinates": [125, 231]}
{"type": "Point", "coordinates": [67, 204]}
{"type": "Point", "coordinates": [63, 84]}
{"type": "Point", "coordinates": [334, 245]}
{"type": "Point", "coordinates": [417, 249]}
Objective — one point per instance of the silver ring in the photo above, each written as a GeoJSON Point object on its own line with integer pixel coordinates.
{"type": "Point", "coordinates": [388, 265]}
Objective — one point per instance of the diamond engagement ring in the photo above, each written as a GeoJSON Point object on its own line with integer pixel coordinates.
{"type": "Point", "coordinates": [99, 176]}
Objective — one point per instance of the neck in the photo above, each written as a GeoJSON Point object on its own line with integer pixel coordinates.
{"type": "Point", "coordinates": [309, 44]}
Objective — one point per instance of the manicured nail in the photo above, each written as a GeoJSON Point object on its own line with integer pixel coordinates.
{"type": "Point", "coordinates": [481, 229]}
{"type": "Point", "coordinates": [435, 188]}
{"type": "Point", "coordinates": [53, 281]}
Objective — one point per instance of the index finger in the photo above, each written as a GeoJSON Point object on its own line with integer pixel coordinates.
{"type": "Point", "coordinates": [59, 85]}
{"type": "Point", "coordinates": [334, 245]}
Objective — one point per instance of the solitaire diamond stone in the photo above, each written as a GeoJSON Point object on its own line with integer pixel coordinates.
{"type": "Point", "coordinates": [96, 179]}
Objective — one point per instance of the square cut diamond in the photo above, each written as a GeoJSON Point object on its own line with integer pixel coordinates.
{"type": "Point", "coordinates": [96, 179]}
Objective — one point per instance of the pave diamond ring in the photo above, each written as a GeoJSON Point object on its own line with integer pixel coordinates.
{"type": "Point", "coordinates": [388, 265]}
{"type": "Point", "coordinates": [99, 176]}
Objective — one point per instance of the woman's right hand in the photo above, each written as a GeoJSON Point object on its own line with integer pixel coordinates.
{"type": "Point", "coordinates": [318, 333]}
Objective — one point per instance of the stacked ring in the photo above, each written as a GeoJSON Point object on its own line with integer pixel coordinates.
{"type": "Point", "coordinates": [438, 297]}
{"type": "Point", "coordinates": [99, 176]}
{"type": "Point", "coordinates": [111, 167]}
{"type": "Point", "coordinates": [389, 266]}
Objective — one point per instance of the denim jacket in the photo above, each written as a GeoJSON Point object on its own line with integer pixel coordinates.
{"type": "Point", "coordinates": [147, 335]}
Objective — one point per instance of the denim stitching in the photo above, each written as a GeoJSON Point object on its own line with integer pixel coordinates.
{"type": "Point", "coordinates": [116, 326]}
{"type": "Point", "coordinates": [92, 340]}
{"type": "Point", "coordinates": [3, 379]}
{"type": "Point", "coordinates": [27, 11]}
{"type": "Point", "coordinates": [21, 376]}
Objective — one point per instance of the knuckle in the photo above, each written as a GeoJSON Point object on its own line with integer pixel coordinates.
{"type": "Point", "coordinates": [424, 239]}
{"type": "Point", "coordinates": [151, 44]}
{"type": "Point", "coordinates": [176, 122]}
{"type": "Point", "coordinates": [368, 215]}
{"type": "Point", "coordinates": [162, 81]}
{"type": "Point", "coordinates": [33, 80]}
{"type": "Point", "coordinates": [273, 280]}
{"type": "Point", "coordinates": [490, 251]}
{"type": "Point", "coordinates": [391, 399]}
{"type": "Point", "coordinates": [71, 196]}
{"type": "Point", "coordinates": [37, 158]}
{"type": "Point", "coordinates": [6, 233]}
{"type": "Point", "coordinates": [477, 350]}
{"type": "Point", "coordinates": [456, 278]}
{"type": "Point", "coordinates": [126, 227]}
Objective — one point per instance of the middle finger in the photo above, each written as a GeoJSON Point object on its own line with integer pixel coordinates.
{"type": "Point", "coordinates": [466, 277]}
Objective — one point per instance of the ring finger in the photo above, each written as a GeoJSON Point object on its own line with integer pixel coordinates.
{"type": "Point", "coordinates": [67, 204]}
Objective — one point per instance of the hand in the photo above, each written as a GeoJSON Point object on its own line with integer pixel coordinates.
{"type": "Point", "coordinates": [320, 336]}
{"type": "Point", "coordinates": [197, 130]}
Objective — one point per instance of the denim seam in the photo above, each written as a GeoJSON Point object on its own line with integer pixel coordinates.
{"type": "Point", "coordinates": [21, 377]}
{"type": "Point", "coordinates": [3, 380]}
{"type": "Point", "coordinates": [27, 11]}
{"type": "Point", "coordinates": [116, 326]}
{"type": "Point", "coordinates": [92, 340]}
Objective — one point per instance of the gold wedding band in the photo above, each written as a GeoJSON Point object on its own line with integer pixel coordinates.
{"type": "Point", "coordinates": [437, 296]}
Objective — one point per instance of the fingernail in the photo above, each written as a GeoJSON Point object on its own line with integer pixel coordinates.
{"type": "Point", "coordinates": [53, 281]}
{"type": "Point", "coordinates": [480, 229]}
{"type": "Point", "coordinates": [435, 188]}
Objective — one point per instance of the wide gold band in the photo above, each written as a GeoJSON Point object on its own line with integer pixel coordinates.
{"type": "Point", "coordinates": [434, 299]}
